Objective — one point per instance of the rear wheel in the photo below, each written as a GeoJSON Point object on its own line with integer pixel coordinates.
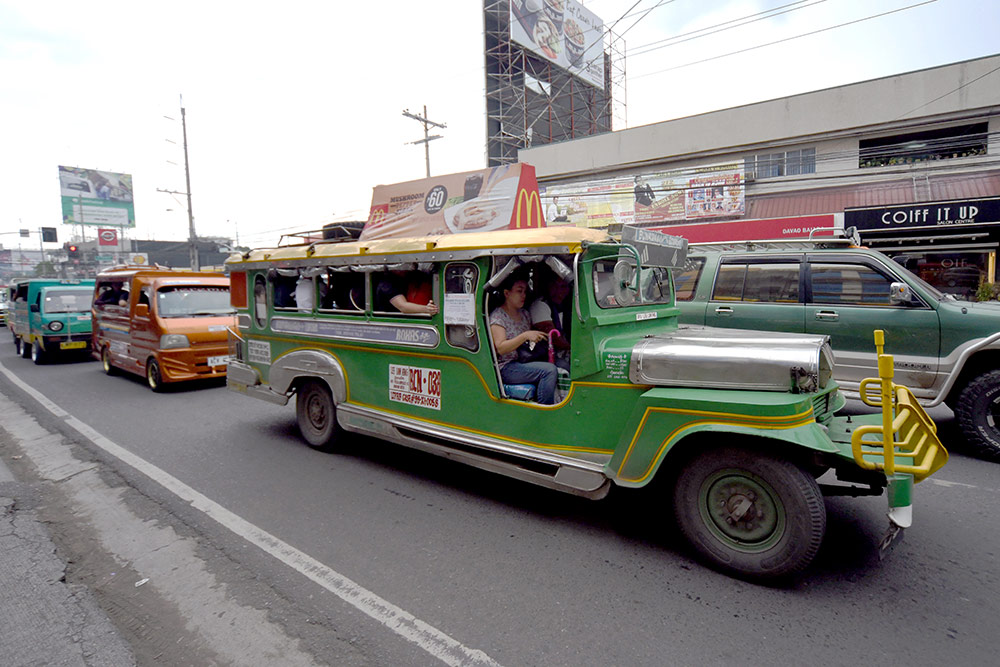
{"type": "Point", "coordinates": [749, 513]}
{"type": "Point", "coordinates": [17, 344]}
{"type": "Point", "coordinates": [978, 413]}
{"type": "Point", "coordinates": [38, 354]}
{"type": "Point", "coordinates": [317, 415]}
{"type": "Point", "coordinates": [106, 364]}
{"type": "Point", "coordinates": [153, 377]}
{"type": "Point", "coordinates": [25, 349]}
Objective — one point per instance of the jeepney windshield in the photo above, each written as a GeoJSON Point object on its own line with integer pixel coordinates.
{"type": "Point", "coordinates": [617, 284]}
{"type": "Point", "coordinates": [193, 301]}
{"type": "Point", "coordinates": [66, 301]}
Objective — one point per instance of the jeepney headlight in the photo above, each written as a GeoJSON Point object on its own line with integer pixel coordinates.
{"type": "Point", "coordinates": [173, 341]}
{"type": "Point", "coordinates": [55, 326]}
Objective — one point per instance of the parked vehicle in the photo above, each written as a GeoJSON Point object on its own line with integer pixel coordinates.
{"type": "Point", "coordinates": [169, 326]}
{"type": "Point", "coordinates": [948, 349]}
{"type": "Point", "coordinates": [4, 298]}
{"type": "Point", "coordinates": [51, 317]}
{"type": "Point", "coordinates": [737, 426]}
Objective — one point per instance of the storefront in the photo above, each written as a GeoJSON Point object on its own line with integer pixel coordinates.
{"type": "Point", "coordinates": [950, 244]}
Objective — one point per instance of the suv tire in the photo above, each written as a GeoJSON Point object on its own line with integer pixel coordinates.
{"type": "Point", "coordinates": [978, 414]}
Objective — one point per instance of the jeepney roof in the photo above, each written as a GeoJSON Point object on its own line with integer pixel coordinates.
{"type": "Point", "coordinates": [128, 272]}
{"type": "Point", "coordinates": [570, 238]}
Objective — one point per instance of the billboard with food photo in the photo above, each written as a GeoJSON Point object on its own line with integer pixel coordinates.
{"type": "Point", "coordinates": [92, 197]}
{"type": "Point", "coordinates": [504, 197]}
{"type": "Point", "coordinates": [712, 191]}
{"type": "Point", "coordinates": [564, 33]}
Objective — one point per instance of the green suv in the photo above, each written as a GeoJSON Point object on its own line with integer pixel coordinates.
{"type": "Point", "coordinates": [946, 350]}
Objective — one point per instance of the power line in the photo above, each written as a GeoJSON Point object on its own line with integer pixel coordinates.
{"type": "Point", "coordinates": [787, 39]}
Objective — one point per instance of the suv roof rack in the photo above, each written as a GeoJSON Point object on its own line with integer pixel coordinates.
{"type": "Point", "coordinates": [842, 238]}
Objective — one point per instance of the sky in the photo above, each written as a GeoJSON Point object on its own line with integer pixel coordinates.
{"type": "Point", "coordinates": [294, 110]}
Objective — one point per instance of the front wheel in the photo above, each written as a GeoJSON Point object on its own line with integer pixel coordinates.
{"type": "Point", "coordinates": [153, 376]}
{"type": "Point", "coordinates": [317, 415]}
{"type": "Point", "coordinates": [749, 513]}
{"type": "Point", "coordinates": [978, 414]}
{"type": "Point", "coordinates": [38, 354]}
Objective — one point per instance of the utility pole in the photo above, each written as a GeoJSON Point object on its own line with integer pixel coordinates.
{"type": "Point", "coordinates": [192, 237]}
{"type": "Point", "coordinates": [428, 138]}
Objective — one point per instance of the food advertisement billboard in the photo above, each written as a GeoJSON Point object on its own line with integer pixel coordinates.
{"type": "Point", "coordinates": [564, 33]}
{"type": "Point", "coordinates": [100, 198]}
{"type": "Point", "coordinates": [701, 193]}
{"type": "Point", "coordinates": [503, 197]}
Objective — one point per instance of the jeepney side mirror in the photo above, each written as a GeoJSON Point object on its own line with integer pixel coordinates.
{"type": "Point", "coordinates": [34, 308]}
{"type": "Point", "coordinates": [900, 294]}
{"type": "Point", "coordinates": [142, 310]}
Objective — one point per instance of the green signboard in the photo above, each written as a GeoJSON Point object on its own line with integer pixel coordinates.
{"type": "Point", "coordinates": [92, 197]}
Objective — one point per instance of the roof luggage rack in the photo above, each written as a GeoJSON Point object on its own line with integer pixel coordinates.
{"type": "Point", "coordinates": [334, 232]}
{"type": "Point", "coordinates": [842, 238]}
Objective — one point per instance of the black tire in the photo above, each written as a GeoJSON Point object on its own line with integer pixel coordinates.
{"type": "Point", "coordinates": [38, 354]}
{"type": "Point", "coordinates": [153, 376]}
{"type": "Point", "coordinates": [978, 414]}
{"type": "Point", "coordinates": [109, 368]}
{"type": "Point", "coordinates": [25, 349]}
{"type": "Point", "coordinates": [317, 415]}
{"type": "Point", "coordinates": [17, 344]}
{"type": "Point", "coordinates": [750, 514]}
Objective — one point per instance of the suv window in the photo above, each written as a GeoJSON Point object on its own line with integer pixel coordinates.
{"type": "Point", "coordinates": [686, 279]}
{"type": "Point", "coordinates": [771, 282]}
{"type": "Point", "coordinates": [848, 284]}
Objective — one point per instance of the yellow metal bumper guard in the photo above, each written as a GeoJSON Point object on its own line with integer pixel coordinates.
{"type": "Point", "coordinates": [905, 446]}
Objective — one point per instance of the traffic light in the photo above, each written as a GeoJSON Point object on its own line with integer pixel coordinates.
{"type": "Point", "coordinates": [73, 251]}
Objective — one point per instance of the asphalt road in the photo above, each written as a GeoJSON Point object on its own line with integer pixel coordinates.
{"type": "Point", "coordinates": [530, 576]}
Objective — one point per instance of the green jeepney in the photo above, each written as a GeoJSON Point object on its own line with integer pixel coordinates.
{"type": "Point", "coordinates": [51, 317]}
{"type": "Point", "coordinates": [739, 425]}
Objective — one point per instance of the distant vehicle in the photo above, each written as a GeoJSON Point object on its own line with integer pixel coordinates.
{"type": "Point", "coordinates": [51, 317]}
{"type": "Point", "coordinates": [169, 326]}
{"type": "Point", "coordinates": [948, 350]}
{"type": "Point", "coordinates": [4, 297]}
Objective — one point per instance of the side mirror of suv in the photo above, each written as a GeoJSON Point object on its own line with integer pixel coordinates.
{"type": "Point", "coordinates": [899, 293]}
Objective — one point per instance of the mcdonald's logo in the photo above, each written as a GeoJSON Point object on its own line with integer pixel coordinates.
{"type": "Point", "coordinates": [528, 206]}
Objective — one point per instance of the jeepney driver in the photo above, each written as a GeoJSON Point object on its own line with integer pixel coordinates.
{"type": "Point", "coordinates": [510, 328]}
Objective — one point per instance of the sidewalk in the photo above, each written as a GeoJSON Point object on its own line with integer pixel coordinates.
{"type": "Point", "coordinates": [44, 620]}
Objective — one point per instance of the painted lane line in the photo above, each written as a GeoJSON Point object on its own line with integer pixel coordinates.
{"type": "Point", "coordinates": [427, 637]}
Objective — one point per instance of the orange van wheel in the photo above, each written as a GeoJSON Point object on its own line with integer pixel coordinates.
{"type": "Point", "coordinates": [153, 377]}
{"type": "Point", "coordinates": [109, 368]}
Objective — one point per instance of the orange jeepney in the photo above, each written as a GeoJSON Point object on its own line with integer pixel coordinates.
{"type": "Point", "coordinates": [167, 325]}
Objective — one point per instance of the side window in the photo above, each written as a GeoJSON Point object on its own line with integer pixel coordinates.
{"type": "Point", "coordinates": [849, 284]}
{"type": "Point", "coordinates": [772, 283]}
{"type": "Point", "coordinates": [686, 279]}
{"type": "Point", "coordinates": [260, 301]}
{"type": "Point", "coordinates": [460, 281]}
{"type": "Point", "coordinates": [283, 288]}
{"type": "Point", "coordinates": [342, 291]}
{"type": "Point", "coordinates": [393, 291]}
{"type": "Point", "coordinates": [144, 295]}
{"type": "Point", "coordinates": [729, 282]}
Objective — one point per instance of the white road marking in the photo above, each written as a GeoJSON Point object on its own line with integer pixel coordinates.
{"type": "Point", "coordinates": [430, 639]}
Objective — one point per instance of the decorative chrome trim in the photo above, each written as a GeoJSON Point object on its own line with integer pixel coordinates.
{"type": "Point", "coordinates": [406, 335]}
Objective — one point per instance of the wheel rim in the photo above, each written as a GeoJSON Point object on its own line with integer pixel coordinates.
{"type": "Point", "coordinates": [153, 375]}
{"type": "Point", "coordinates": [742, 510]}
{"type": "Point", "coordinates": [993, 413]}
{"type": "Point", "coordinates": [317, 412]}
{"type": "Point", "coordinates": [105, 361]}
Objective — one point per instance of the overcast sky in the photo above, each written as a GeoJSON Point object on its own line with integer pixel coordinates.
{"type": "Point", "coordinates": [294, 110]}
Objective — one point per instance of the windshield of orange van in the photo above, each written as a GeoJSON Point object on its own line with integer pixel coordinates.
{"type": "Point", "coordinates": [66, 301]}
{"type": "Point", "coordinates": [193, 301]}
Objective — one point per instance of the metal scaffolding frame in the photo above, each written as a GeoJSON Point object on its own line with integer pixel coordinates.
{"type": "Point", "coordinates": [530, 101]}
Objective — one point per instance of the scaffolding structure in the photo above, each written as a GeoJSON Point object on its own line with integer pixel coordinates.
{"type": "Point", "coordinates": [530, 101]}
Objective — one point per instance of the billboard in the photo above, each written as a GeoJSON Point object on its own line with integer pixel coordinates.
{"type": "Point", "coordinates": [701, 193]}
{"type": "Point", "coordinates": [504, 197]}
{"type": "Point", "coordinates": [564, 33]}
{"type": "Point", "coordinates": [92, 197]}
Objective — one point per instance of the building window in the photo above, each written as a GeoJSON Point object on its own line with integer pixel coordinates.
{"type": "Point", "coordinates": [943, 144]}
{"type": "Point", "coordinates": [788, 163]}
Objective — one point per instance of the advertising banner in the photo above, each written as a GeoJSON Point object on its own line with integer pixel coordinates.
{"type": "Point", "coordinates": [714, 191]}
{"type": "Point", "coordinates": [504, 197]}
{"type": "Point", "coordinates": [797, 227]}
{"type": "Point", "coordinates": [91, 197]}
{"type": "Point", "coordinates": [564, 33]}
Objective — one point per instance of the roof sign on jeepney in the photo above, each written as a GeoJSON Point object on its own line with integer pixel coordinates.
{"type": "Point", "coordinates": [503, 197]}
{"type": "Point", "coordinates": [656, 248]}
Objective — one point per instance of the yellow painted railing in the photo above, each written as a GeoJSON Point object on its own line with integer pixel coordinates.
{"type": "Point", "coordinates": [907, 440]}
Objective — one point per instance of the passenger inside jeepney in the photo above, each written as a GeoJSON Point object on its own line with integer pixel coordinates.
{"type": "Point", "coordinates": [515, 341]}
{"type": "Point", "coordinates": [109, 295]}
{"type": "Point", "coordinates": [406, 292]}
{"type": "Point", "coordinates": [550, 312]}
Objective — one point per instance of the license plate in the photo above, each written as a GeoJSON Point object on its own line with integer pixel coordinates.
{"type": "Point", "coordinates": [218, 361]}
{"type": "Point", "coordinates": [77, 345]}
